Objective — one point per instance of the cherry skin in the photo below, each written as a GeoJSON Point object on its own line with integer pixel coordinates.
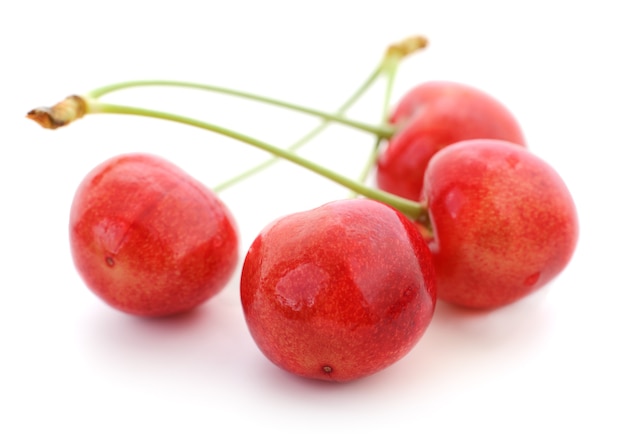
{"type": "Point", "coordinates": [504, 222]}
{"type": "Point", "coordinates": [432, 116]}
{"type": "Point", "coordinates": [338, 292]}
{"type": "Point", "coordinates": [148, 238]}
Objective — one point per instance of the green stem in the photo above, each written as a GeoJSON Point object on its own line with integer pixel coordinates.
{"type": "Point", "coordinates": [306, 138]}
{"type": "Point", "coordinates": [410, 208]}
{"type": "Point", "coordinates": [384, 131]}
{"type": "Point", "coordinates": [264, 165]}
{"type": "Point", "coordinates": [389, 67]}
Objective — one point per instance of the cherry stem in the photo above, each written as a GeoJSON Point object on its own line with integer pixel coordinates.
{"type": "Point", "coordinates": [389, 67]}
{"type": "Point", "coordinates": [410, 208]}
{"type": "Point", "coordinates": [304, 139]}
{"type": "Point", "coordinates": [384, 131]}
{"type": "Point", "coordinates": [394, 53]}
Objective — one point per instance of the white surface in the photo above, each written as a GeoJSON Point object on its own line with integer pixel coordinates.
{"type": "Point", "coordinates": [548, 368]}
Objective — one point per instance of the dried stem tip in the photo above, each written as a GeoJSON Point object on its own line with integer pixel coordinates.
{"type": "Point", "coordinates": [408, 46]}
{"type": "Point", "coordinates": [61, 114]}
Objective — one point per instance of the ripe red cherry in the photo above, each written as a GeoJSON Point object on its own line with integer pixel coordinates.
{"type": "Point", "coordinates": [504, 222]}
{"type": "Point", "coordinates": [338, 292]}
{"type": "Point", "coordinates": [430, 117]}
{"type": "Point", "coordinates": [149, 239]}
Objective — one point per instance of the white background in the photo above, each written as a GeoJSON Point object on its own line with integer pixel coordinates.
{"type": "Point", "coordinates": [550, 367]}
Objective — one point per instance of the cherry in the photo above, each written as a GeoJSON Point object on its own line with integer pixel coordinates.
{"type": "Point", "coordinates": [338, 292]}
{"type": "Point", "coordinates": [504, 222]}
{"type": "Point", "coordinates": [149, 239]}
{"type": "Point", "coordinates": [430, 117]}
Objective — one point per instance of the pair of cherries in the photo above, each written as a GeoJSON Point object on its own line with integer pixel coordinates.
{"type": "Point", "coordinates": [344, 290]}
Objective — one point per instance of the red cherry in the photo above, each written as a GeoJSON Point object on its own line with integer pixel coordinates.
{"type": "Point", "coordinates": [148, 238]}
{"type": "Point", "coordinates": [432, 116]}
{"type": "Point", "coordinates": [338, 292]}
{"type": "Point", "coordinates": [504, 222]}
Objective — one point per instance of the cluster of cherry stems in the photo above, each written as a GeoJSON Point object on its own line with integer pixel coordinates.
{"type": "Point", "coordinates": [462, 212]}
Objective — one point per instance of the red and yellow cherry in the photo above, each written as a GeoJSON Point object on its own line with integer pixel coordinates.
{"type": "Point", "coordinates": [338, 292]}
{"type": "Point", "coordinates": [430, 117]}
{"type": "Point", "coordinates": [504, 223]}
{"type": "Point", "coordinates": [149, 239]}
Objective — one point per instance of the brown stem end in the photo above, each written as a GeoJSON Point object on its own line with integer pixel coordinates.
{"type": "Point", "coordinates": [61, 114]}
{"type": "Point", "coordinates": [407, 46]}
